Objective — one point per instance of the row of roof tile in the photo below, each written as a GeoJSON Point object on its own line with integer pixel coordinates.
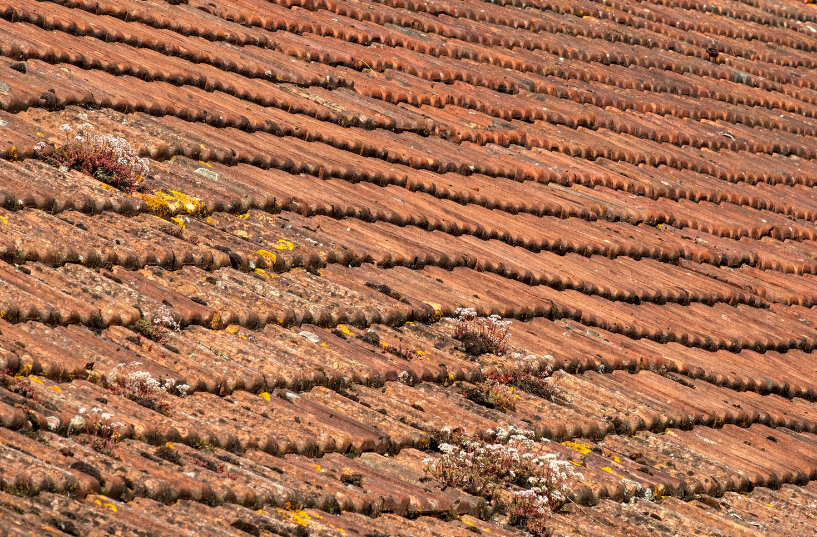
{"type": "Point", "coordinates": [502, 26]}
{"type": "Point", "coordinates": [637, 403]}
{"type": "Point", "coordinates": [764, 11]}
{"type": "Point", "coordinates": [86, 240]}
{"type": "Point", "coordinates": [72, 192]}
{"type": "Point", "coordinates": [537, 64]}
{"type": "Point", "coordinates": [401, 160]}
{"type": "Point", "coordinates": [195, 297]}
{"type": "Point", "coordinates": [676, 463]}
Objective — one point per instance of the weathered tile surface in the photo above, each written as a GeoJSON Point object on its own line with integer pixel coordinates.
{"type": "Point", "coordinates": [631, 184]}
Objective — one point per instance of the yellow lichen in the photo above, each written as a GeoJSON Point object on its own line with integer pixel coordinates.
{"type": "Point", "coordinates": [581, 447]}
{"type": "Point", "coordinates": [191, 205]}
{"type": "Point", "coordinates": [269, 256]}
{"type": "Point", "coordinates": [164, 204]}
{"type": "Point", "coordinates": [101, 501]}
{"type": "Point", "coordinates": [179, 222]}
{"type": "Point", "coordinates": [156, 205]}
{"type": "Point", "coordinates": [265, 396]}
{"type": "Point", "coordinates": [284, 245]}
{"type": "Point", "coordinates": [55, 388]}
{"type": "Point", "coordinates": [4, 220]}
{"type": "Point", "coordinates": [262, 272]}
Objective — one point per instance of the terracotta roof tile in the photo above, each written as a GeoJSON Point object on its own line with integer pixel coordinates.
{"type": "Point", "coordinates": [329, 182]}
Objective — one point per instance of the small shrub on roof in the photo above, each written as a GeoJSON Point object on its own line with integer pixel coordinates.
{"type": "Point", "coordinates": [141, 388]}
{"type": "Point", "coordinates": [218, 468]}
{"type": "Point", "coordinates": [503, 467]}
{"type": "Point", "coordinates": [399, 351]}
{"type": "Point", "coordinates": [480, 335]}
{"type": "Point", "coordinates": [109, 159]}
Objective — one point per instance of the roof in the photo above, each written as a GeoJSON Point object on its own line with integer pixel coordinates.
{"type": "Point", "coordinates": [331, 182]}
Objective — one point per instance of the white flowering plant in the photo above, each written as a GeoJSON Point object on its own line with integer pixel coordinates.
{"type": "Point", "coordinates": [160, 328]}
{"type": "Point", "coordinates": [109, 159]}
{"type": "Point", "coordinates": [491, 393]}
{"type": "Point", "coordinates": [482, 334]}
{"type": "Point", "coordinates": [143, 389]}
{"type": "Point", "coordinates": [530, 375]}
{"type": "Point", "coordinates": [503, 466]}
{"type": "Point", "coordinates": [95, 429]}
